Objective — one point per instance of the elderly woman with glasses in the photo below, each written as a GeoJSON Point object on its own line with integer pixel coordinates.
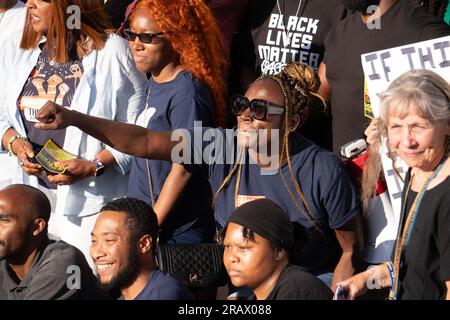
{"type": "Point", "coordinates": [415, 118]}
{"type": "Point", "coordinates": [267, 159]}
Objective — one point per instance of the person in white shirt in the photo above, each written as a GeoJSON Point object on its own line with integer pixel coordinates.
{"type": "Point", "coordinates": [12, 19]}
{"type": "Point", "coordinates": [87, 68]}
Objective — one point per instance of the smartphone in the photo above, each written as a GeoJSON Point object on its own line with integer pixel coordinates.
{"type": "Point", "coordinates": [341, 293]}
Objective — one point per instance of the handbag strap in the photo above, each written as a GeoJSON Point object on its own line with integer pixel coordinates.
{"type": "Point", "coordinates": [147, 162]}
{"type": "Point", "coordinates": [150, 184]}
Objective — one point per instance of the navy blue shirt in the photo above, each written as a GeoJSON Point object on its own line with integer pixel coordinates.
{"type": "Point", "coordinates": [172, 105]}
{"type": "Point", "coordinates": [162, 286]}
{"type": "Point", "coordinates": [329, 193]}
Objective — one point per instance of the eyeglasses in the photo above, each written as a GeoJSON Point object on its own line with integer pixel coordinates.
{"type": "Point", "coordinates": [146, 38]}
{"type": "Point", "coordinates": [259, 108]}
{"type": "Point", "coordinates": [413, 129]}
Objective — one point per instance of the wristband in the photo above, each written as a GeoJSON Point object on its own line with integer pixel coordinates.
{"type": "Point", "coordinates": [11, 141]}
{"type": "Point", "coordinates": [99, 167]}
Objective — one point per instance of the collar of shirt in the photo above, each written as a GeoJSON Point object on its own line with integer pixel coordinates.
{"type": "Point", "coordinates": [9, 280]}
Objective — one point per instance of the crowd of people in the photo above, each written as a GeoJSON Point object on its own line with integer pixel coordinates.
{"type": "Point", "coordinates": [190, 122]}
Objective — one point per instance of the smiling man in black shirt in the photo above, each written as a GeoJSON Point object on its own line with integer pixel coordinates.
{"type": "Point", "coordinates": [32, 266]}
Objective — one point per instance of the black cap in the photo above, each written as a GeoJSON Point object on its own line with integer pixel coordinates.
{"type": "Point", "coordinates": [265, 218]}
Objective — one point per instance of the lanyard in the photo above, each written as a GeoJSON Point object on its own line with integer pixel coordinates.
{"type": "Point", "coordinates": [403, 238]}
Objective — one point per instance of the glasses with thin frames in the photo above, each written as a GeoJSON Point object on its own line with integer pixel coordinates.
{"type": "Point", "coordinates": [146, 38]}
{"type": "Point", "coordinates": [259, 108]}
{"type": "Point", "coordinates": [413, 129]}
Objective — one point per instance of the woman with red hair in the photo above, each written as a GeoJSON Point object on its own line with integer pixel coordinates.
{"type": "Point", "coordinates": [179, 44]}
{"type": "Point", "coordinates": [69, 55]}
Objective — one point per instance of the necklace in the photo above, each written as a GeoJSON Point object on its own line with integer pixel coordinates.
{"type": "Point", "coordinates": [403, 237]}
{"type": "Point", "coordinates": [286, 34]}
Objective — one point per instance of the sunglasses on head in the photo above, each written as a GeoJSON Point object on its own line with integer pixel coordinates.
{"type": "Point", "coordinates": [259, 108]}
{"type": "Point", "coordinates": [146, 38]}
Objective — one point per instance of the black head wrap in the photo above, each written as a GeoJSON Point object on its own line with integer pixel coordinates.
{"type": "Point", "coordinates": [267, 219]}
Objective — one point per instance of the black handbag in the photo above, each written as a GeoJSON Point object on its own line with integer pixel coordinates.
{"type": "Point", "coordinates": [195, 265]}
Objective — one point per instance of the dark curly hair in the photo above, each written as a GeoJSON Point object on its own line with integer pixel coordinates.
{"type": "Point", "coordinates": [435, 7]}
{"type": "Point", "coordinates": [141, 218]}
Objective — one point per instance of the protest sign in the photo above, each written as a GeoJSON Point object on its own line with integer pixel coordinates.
{"type": "Point", "coordinates": [380, 69]}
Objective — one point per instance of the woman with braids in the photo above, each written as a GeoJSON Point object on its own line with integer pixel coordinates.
{"type": "Point", "coordinates": [307, 182]}
{"type": "Point", "coordinates": [179, 44]}
{"type": "Point", "coordinates": [415, 119]}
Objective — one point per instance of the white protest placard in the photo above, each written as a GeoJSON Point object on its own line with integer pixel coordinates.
{"type": "Point", "coordinates": [380, 69]}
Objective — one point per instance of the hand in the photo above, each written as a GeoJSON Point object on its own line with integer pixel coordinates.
{"type": "Point", "coordinates": [76, 169]}
{"type": "Point", "coordinates": [53, 117]}
{"type": "Point", "coordinates": [355, 286]}
{"type": "Point", "coordinates": [24, 151]}
{"type": "Point", "coordinates": [372, 133]}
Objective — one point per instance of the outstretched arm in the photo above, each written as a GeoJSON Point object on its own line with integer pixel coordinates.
{"type": "Point", "coordinates": [126, 138]}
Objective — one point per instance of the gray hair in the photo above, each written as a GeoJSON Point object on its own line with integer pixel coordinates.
{"type": "Point", "coordinates": [423, 90]}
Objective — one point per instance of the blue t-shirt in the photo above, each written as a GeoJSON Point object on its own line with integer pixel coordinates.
{"type": "Point", "coordinates": [328, 190]}
{"type": "Point", "coordinates": [172, 105]}
{"type": "Point", "coordinates": [162, 286]}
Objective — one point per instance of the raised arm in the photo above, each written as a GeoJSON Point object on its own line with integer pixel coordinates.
{"type": "Point", "coordinates": [325, 88]}
{"type": "Point", "coordinates": [126, 138]}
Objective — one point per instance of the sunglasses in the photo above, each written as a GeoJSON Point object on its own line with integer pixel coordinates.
{"type": "Point", "coordinates": [259, 108]}
{"type": "Point", "coordinates": [146, 38]}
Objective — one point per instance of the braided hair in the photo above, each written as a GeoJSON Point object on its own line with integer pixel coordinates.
{"type": "Point", "coordinates": [299, 84]}
{"type": "Point", "coordinates": [435, 7]}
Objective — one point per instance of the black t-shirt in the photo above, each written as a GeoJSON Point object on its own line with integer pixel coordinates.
{"type": "Point", "coordinates": [296, 284]}
{"type": "Point", "coordinates": [426, 267]}
{"type": "Point", "coordinates": [402, 24]}
{"type": "Point", "coordinates": [303, 39]}
{"type": "Point", "coordinates": [297, 33]}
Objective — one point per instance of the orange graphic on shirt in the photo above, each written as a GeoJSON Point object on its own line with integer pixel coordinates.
{"type": "Point", "coordinates": [36, 102]}
{"type": "Point", "coordinates": [243, 199]}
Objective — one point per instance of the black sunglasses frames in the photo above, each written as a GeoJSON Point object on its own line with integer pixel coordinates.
{"type": "Point", "coordinates": [146, 38]}
{"type": "Point", "coordinates": [259, 108]}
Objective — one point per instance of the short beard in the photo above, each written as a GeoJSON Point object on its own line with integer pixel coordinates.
{"type": "Point", "coordinates": [125, 277]}
{"type": "Point", "coordinates": [360, 5]}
